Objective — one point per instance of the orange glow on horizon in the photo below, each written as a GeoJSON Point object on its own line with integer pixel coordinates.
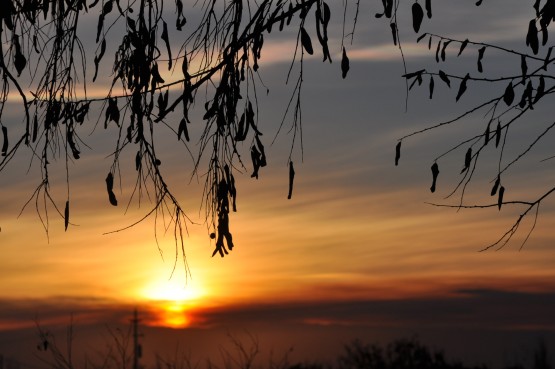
{"type": "Point", "coordinates": [171, 314]}
{"type": "Point", "coordinates": [171, 302]}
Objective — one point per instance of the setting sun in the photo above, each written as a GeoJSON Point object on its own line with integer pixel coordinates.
{"type": "Point", "coordinates": [172, 301]}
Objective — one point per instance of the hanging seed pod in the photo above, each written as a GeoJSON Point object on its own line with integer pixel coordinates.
{"type": "Point", "coordinates": [110, 187]}
{"type": "Point", "coordinates": [306, 42]}
{"type": "Point", "coordinates": [344, 64]}
{"type": "Point", "coordinates": [5, 141]}
{"type": "Point", "coordinates": [291, 178]}
{"type": "Point", "coordinates": [66, 215]}
{"type": "Point", "coordinates": [435, 173]}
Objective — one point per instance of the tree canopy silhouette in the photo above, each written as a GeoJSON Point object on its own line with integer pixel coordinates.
{"type": "Point", "coordinates": [216, 67]}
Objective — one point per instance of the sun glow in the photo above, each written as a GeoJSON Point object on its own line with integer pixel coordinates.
{"type": "Point", "coordinates": [173, 301]}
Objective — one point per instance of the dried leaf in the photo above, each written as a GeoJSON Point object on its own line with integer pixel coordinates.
{"type": "Point", "coordinates": [166, 40]}
{"type": "Point", "coordinates": [306, 42]}
{"type": "Point", "coordinates": [540, 90]}
{"type": "Point", "coordinates": [532, 37]}
{"type": "Point", "coordinates": [462, 87]}
{"type": "Point", "coordinates": [397, 153]}
{"type": "Point", "coordinates": [291, 178]}
{"type": "Point", "coordinates": [443, 49]}
{"type": "Point", "coordinates": [509, 95]}
{"type": "Point", "coordinates": [394, 33]}
{"type": "Point", "coordinates": [35, 128]}
{"type": "Point", "coordinates": [183, 130]}
{"type": "Point", "coordinates": [344, 64]}
{"type": "Point", "coordinates": [500, 198]}
{"type": "Point", "coordinates": [523, 67]}
{"type": "Point", "coordinates": [417, 16]}
{"type": "Point", "coordinates": [110, 189]}
{"type": "Point", "coordinates": [327, 14]}
{"type": "Point", "coordinates": [99, 57]}
{"type": "Point", "coordinates": [99, 26]}
{"type": "Point", "coordinates": [498, 134]}
{"type": "Point", "coordinates": [435, 172]}
{"type": "Point", "coordinates": [66, 215]}
{"type": "Point", "coordinates": [5, 141]}
{"type": "Point", "coordinates": [444, 78]}
{"type": "Point", "coordinates": [486, 134]}
{"type": "Point", "coordinates": [138, 160]}
{"type": "Point", "coordinates": [480, 57]}
{"type": "Point", "coordinates": [19, 59]}
{"type": "Point", "coordinates": [467, 160]}
{"type": "Point", "coordinates": [495, 186]}
{"type": "Point", "coordinates": [463, 46]}
{"type": "Point", "coordinates": [547, 56]}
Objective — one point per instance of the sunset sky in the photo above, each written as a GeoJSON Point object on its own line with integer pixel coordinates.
{"type": "Point", "coordinates": [357, 251]}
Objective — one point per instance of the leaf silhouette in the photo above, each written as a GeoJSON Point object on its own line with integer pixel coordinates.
{"type": "Point", "coordinates": [110, 189]}
{"type": "Point", "coordinates": [443, 49]}
{"type": "Point", "coordinates": [500, 198]}
{"type": "Point", "coordinates": [98, 58]}
{"type": "Point", "coordinates": [480, 57]}
{"type": "Point", "coordinates": [527, 95]}
{"type": "Point", "coordinates": [344, 64]}
{"type": "Point", "coordinates": [417, 16]}
{"type": "Point", "coordinates": [138, 158]}
{"type": "Point", "coordinates": [463, 46]}
{"type": "Point", "coordinates": [467, 160]}
{"type": "Point", "coordinates": [327, 14]}
{"type": "Point", "coordinates": [486, 134]}
{"type": "Point", "coordinates": [435, 172]}
{"type": "Point", "coordinates": [112, 112]}
{"type": "Point", "coordinates": [19, 59]}
{"type": "Point", "coordinates": [444, 78]}
{"type": "Point", "coordinates": [5, 141]}
{"type": "Point", "coordinates": [394, 32]}
{"type": "Point", "coordinates": [166, 40]}
{"type": "Point", "coordinates": [532, 37]}
{"type": "Point", "coordinates": [495, 186]}
{"type": "Point", "coordinates": [397, 153]}
{"type": "Point", "coordinates": [35, 128]}
{"type": "Point", "coordinates": [291, 178]}
{"type": "Point", "coordinates": [428, 6]}
{"type": "Point", "coordinates": [66, 215]}
{"type": "Point", "coordinates": [431, 86]}
{"type": "Point", "coordinates": [462, 87]}
{"type": "Point", "coordinates": [498, 134]}
{"type": "Point", "coordinates": [523, 67]}
{"type": "Point", "coordinates": [540, 90]}
{"type": "Point", "coordinates": [509, 95]}
{"type": "Point", "coordinates": [306, 42]}
{"type": "Point", "coordinates": [183, 130]}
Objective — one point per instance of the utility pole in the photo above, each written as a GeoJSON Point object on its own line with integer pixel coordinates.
{"type": "Point", "coordinates": [137, 349]}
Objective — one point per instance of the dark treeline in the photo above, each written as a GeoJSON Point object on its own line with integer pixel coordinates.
{"type": "Point", "coordinates": [123, 351]}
